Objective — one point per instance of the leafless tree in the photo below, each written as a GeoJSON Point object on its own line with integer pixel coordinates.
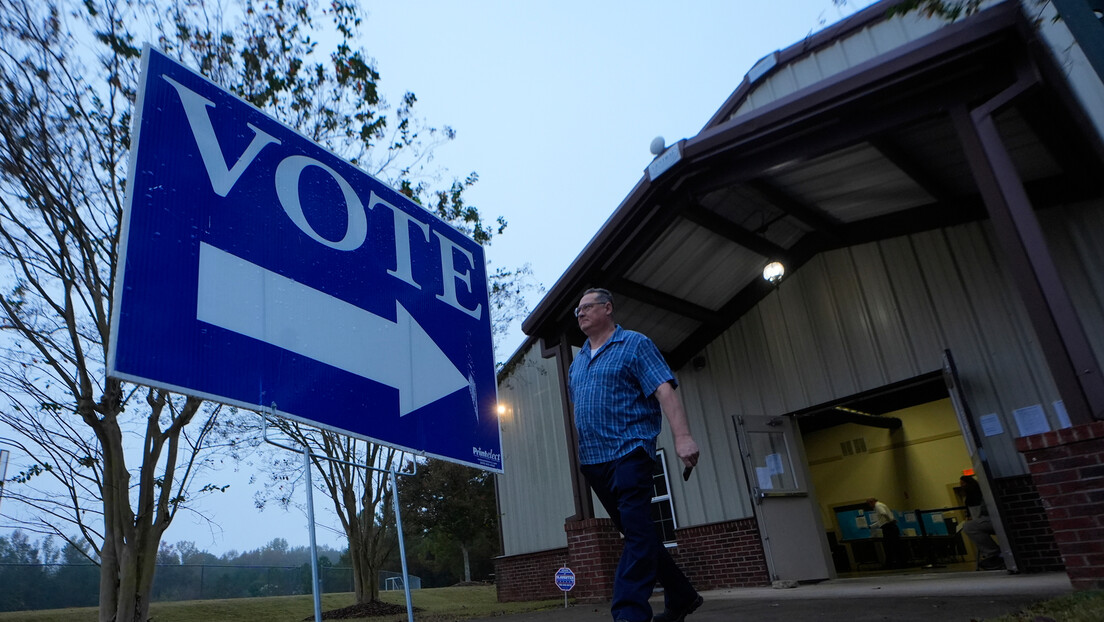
{"type": "Point", "coordinates": [111, 464]}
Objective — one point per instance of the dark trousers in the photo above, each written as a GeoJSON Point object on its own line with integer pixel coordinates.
{"type": "Point", "coordinates": [624, 488]}
{"type": "Point", "coordinates": [891, 542]}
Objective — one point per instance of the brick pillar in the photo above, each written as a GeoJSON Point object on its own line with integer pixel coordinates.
{"type": "Point", "coordinates": [1068, 469]}
{"type": "Point", "coordinates": [722, 555]}
{"type": "Point", "coordinates": [593, 549]}
{"type": "Point", "coordinates": [1026, 525]}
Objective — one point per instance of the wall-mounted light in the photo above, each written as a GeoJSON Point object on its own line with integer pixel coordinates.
{"type": "Point", "coordinates": [658, 146]}
{"type": "Point", "coordinates": [774, 271]}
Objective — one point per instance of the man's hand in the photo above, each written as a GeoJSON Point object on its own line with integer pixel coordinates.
{"type": "Point", "coordinates": [671, 404]}
{"type": "Point", "coordinates": [687, 450]}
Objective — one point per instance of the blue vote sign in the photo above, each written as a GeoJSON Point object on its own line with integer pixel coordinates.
{"type": "Point", "coordinates": [260, 270]}
{"type": "Point", "coordinates": [565, 579]}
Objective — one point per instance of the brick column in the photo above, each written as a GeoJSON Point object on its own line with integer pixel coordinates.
{"type": "Point", "coordinates": [1068, 469]}
{"type": "Point", "coordinates": [722, 555]}
{"type": "Point", "coordinates": [594, 549]}
{"type": "Point", "coordinates": [1026, 525]}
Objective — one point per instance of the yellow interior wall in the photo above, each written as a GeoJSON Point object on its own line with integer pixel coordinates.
{"type": "Point", "coordinates": [913, 467]}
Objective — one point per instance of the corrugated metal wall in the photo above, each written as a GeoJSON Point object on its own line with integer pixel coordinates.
{"type": "Point", "coordinates": [534, 492]}
{"type": "Point", "coordinates": [1074, 234]}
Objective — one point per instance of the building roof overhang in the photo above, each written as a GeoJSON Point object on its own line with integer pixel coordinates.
{"type": "Point", "coordinates": [869, 153]}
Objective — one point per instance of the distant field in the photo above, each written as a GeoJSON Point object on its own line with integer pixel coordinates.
{"type": "Point", "coordinates": [437, 605]}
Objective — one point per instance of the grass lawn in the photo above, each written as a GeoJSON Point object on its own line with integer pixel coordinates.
{"type": "Point", "coordinates": [1087, 606]}
{"type": "Point", "coordinates": [437, 605]}
{"type": "Point", "coordinates": [460, 603]}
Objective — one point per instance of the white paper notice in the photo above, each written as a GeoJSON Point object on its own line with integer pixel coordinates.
{"type": "Point", "coordinates": [991, 425]}
{"type": "Point", "coordinates": [763, 474]}
{"type": "Point", "coordinates": [1031, 420]}
{"type": "Point", "coordinates": [1063, 416]}
{"type": "Point", "coordinates": [774, 464]}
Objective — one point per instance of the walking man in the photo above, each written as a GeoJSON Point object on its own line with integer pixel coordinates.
{"type": "Point", "coordinates": [621, 387]}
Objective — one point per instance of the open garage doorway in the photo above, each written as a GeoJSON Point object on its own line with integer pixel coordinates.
{"type": "Point", "coordinates": [902, 444]}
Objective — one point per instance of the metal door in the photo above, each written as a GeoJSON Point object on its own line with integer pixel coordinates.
{"type": "Point", "coordinates": [790, 524]}
{"type": "Point", "coordinates": [977, 454]}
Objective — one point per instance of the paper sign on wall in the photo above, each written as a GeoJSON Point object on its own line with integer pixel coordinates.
{"type": "Point", "coordinates": [991, 425]}
{"type": "Point", "coordinates": [1031, 420]}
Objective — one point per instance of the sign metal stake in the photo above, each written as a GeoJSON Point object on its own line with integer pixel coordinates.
{"type": "Point", "coordinates": [315, 581]}
{"type": "Point", "coordinates": [402, 546]}
{"type": "Point", "coordinates": [315, 584]}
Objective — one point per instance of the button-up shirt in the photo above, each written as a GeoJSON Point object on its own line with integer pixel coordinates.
{"type": "Point", "coordinates": [882, 514]}
{"type": "Point", "coordinates": [613, 391]}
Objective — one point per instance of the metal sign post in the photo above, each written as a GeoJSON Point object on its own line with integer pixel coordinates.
{"type": "Point", "coordinates": [565, 580]}
{"type": "Point", "coordinates": [315, 579]}
{"type": "Point", "coordinates": [402, 546]}
{"type": "Point", "coordinates": [316, 586]}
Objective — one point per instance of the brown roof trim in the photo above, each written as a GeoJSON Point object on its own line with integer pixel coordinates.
{"type": "Point", "coordinates": [836, 88]}
{"type": "Point", "coordinates": [821, 39]}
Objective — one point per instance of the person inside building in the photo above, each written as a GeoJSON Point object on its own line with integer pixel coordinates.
{"type": "Point", "coordinates": [885, 520]}
{"type": "Point", "coordinates": [620, 388]}
{"type": "Point", "coordinates": [979, 527]}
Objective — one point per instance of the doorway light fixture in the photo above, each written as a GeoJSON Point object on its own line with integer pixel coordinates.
{"type": "Point", "coordinates": [774, 271]}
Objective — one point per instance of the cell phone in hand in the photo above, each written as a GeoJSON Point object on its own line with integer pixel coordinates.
{"type": "Point", "coordinates": [686, 473]}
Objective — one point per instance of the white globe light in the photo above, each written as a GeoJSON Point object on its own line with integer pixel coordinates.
{"type": "Point", "coordinates": [774, 271]}
{"type": "Point", "coordinates": [658, 145]}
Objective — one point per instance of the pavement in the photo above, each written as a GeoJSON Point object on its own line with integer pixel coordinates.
{"type": "Point", "coordinates": [917, 596]}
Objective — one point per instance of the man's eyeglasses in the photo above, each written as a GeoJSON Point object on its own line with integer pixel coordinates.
{"type": "Point", "coordinates": [583, 308]}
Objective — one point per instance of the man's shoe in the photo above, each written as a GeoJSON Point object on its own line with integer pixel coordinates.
{"type": "Point", "coordinates": [679, 615]}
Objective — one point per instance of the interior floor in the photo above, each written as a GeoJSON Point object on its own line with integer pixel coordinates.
{"type": "Point", "coordinates": [956, 566]}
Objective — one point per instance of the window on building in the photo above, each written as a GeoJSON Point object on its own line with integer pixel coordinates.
{"type": "Point", "coordinates": [663, 511]}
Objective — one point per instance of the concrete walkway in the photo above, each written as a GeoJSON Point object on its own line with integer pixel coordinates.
{"type": "Point", "coordinates": [912, 597]}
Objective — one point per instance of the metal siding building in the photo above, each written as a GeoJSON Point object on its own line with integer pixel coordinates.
{"type": "Point", "coordinates": [935, 192]}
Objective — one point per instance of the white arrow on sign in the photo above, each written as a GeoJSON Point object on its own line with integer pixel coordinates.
{"type": "Point", "coordinates": [247, 299]}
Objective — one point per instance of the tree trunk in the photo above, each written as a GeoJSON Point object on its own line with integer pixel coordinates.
{"type": "Point", "coordinates": [118, 521]}
{"type": "Point", "coordinates": [358, 569]}
{"type": "Point", "coordinates": [129, 553]}
{"type": "Point", "coordinates": [365, 578]}
{"type": "Point", "coordinates": [109, 573]}
{"type": "Point", "coordinates": [467, 563]}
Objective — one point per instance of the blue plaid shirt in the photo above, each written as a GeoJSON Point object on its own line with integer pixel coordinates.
{"type": "Point", "coordinates": [613, 391]}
